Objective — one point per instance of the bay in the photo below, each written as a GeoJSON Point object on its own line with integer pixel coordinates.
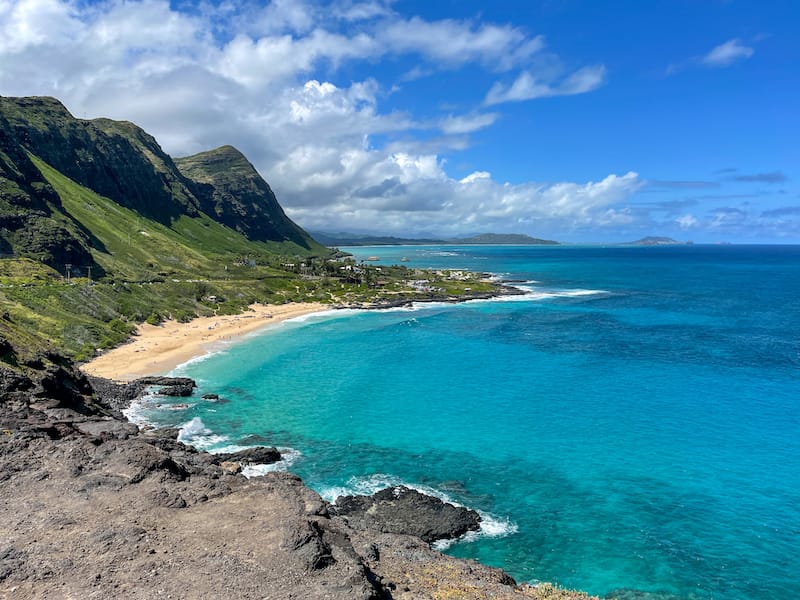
{"type": "Point", "coordinates": [631, 422]}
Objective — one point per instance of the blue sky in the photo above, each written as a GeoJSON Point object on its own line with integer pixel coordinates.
{"type": "Point", "coordinates": [575, 120]}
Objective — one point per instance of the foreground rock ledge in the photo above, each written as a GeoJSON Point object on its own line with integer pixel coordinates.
{"type": "Point", "coordinates": [92, 508]}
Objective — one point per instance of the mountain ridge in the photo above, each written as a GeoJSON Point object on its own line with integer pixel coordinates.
{"type": "Point", "coordinates": [354, 239]}
{"type": "Point", "coordinates": [120, 161]}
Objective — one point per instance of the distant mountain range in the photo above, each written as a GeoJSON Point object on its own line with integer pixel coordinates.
{"type": "Point", "coordinates": [653, 240]}
{"type": "Point", "coordinates": [354, 239]}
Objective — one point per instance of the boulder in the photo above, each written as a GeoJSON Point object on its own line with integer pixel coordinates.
{"type": "Point", "coordinates": [407, 511]}
{"type": "Point", "coordinates": [166, 381]}
{"type": "Point", "coordinates": [106, 429]}
{"type": "Point", "coordinates": [261, 455]}
{"type": "Point", "coordinates": [176, 390]}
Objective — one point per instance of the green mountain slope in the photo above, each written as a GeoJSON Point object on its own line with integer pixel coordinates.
{"type": "Point", "coordinates": [232, 192]}
{"type": "Point", "coordinates": [516, 239]}
{"type": "Point", "coordinates": [122, 162]}
{"type": "Point", "coordinates": [99, 230]}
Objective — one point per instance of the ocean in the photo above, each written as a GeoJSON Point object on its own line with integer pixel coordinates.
{"type": "Point", "coordinates": [630, 424]}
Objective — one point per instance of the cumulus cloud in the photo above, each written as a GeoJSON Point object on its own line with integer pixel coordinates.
{"type": "Point", "coordinates": [726, 54]}
{"type": "Point", "coordinates": [424, 198]}
{"type": "Point", "coordinates": [263, 78]}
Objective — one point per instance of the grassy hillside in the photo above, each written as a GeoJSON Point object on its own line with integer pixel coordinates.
{"type": "Point", "coordinates": [132, 247]}
{"type": "Point", "coordinates": [147, 271]}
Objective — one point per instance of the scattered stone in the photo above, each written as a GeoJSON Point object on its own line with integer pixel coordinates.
{"type": "Point", "coordinates": [231, 467]}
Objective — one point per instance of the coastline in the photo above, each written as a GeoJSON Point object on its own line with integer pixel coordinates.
{"type": "Point", "coordinates": [158, 349]}
{"type": "Point", "coordinates": [160, 497]}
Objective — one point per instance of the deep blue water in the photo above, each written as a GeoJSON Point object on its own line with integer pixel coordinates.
{"type": "Point", "coordinates": [633, 422]}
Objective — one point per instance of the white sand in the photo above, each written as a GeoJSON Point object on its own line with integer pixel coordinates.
{"type": "Point", "coordinates": [158, 349]}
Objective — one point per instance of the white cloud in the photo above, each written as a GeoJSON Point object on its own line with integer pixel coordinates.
{"type": "Point", "coordinates": [335, 157]}
{"type": "Point", "coordinates": [350, 10]}
{"type": "Point", "coordinates": [35, 22]}
{"type": "Point", "coordinates": [727, 53]}
{"type": "Point", "coordinates": [279, 16]}
{"type": "Point", "coordinates": [455, 125]}
{"type": "Point", "coordinates": [476, 176]}
{"type": "Point", "coordinates": [454, 43]}
{"type": "Point", "coordinates": [528, 87]}
{"type": "Point", "coordinates": [687, 221]}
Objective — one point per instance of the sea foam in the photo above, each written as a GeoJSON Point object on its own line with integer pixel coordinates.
{"type": "Point", "coordinates": [288, 458]}
{"type": "Point", "coordinates": [195, 433]}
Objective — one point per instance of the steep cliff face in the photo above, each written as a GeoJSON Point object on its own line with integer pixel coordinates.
{"type": "Point", "coordinates": [232, 192]}
{"type": "Point", "coordinates": [29, 210]}
{"type": "Point", "coordinates": [116, 160]}
{"type": "Point", "coordinates": [120, 161]}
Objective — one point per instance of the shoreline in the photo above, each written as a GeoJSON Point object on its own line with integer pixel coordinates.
{"type": "Point", "coordinates": [158, 349]}
{"type": "Point", "coordinates": [154, 350]}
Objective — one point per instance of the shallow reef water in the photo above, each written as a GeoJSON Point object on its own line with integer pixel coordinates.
{"type": "Point", "coordinates": [627, 427]}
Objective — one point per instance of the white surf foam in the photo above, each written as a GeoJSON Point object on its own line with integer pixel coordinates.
{"type": "Point", "coordinates": [491, 527]}
{"type": "Point", "coordinates": [321, 315]}
{"type": "Point", "coordinates": [195, 433]}
{"type": "Point", "coordinates": [136, 413]}
{"type": "Point", "coordinates": [288, 458]}
{"type": "Point", "coordinates": [532, 294]}
{"type": "Point", "coordinates": [195, 360]}
{"type": "Point", "coordinates": [139, 411]}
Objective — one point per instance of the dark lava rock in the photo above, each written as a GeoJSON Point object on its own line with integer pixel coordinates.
{"type": "Point", "coordinates": [107, 429]}
{"type": "Point", "coordinates": [210, 396]}
{"type": "Point", "coordinates": [167, 381]}
{"type": "Point", "coordinates": [115, 395]}
{"type": "Point", "coordinates": [176, 390]}
{"type": "Point", "coordinates": [403, 510]}
{"type": "Point", "coordinates": [260, 455]}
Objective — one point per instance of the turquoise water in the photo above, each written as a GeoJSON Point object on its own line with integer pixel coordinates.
{"type": "Point", "coordinates": [632, 422]}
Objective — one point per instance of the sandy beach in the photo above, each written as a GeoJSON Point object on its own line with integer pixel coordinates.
{"type": "Point", "coordinates": [157, 349]}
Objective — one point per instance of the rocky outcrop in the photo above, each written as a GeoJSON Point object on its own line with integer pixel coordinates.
{"type": "Point", "coordinates": [260, 455]}
{"type": "Point", "coordinates": [409, 512]}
